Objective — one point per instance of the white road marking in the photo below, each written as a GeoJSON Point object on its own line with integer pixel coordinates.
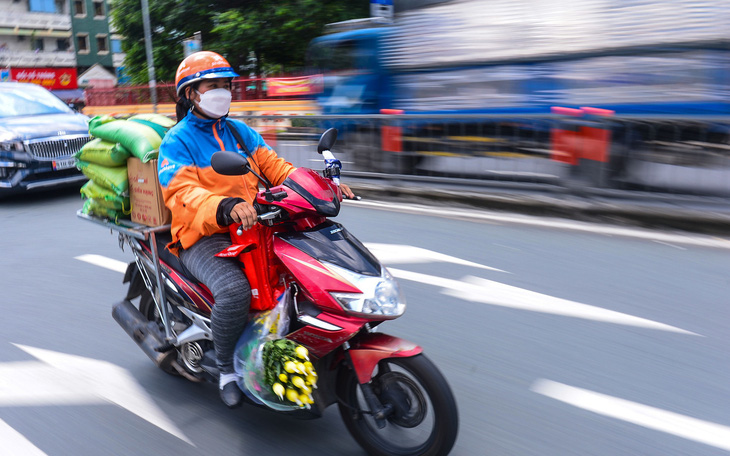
{"type": "Point", "coordinates": [63, 379]}
{"type": "Point", "coordinates": [643, 415]}
{"type": "Point", "coordinates": [30, 384]}
{"type": "Point", "coordinates": [485, 291]}
{"type": "Point", "coordinates": [548, 222]}
{"type": "Point", "coordinates": [15, 443]}
{"type": "Point", "coordinates": [395, 253]}
{"type": "Point", "coordinates": [104, 262]}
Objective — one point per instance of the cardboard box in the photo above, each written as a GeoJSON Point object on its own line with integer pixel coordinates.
{"type": "Point", "coordinates": [148, 207]}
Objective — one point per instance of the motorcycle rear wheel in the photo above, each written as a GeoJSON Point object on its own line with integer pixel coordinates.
{"type": "Point", "coordinates": [148, 309]}
{"type": "Point", "coordinates": [147, 306]}
{"type": "Point", "coordinates": [424, 421]}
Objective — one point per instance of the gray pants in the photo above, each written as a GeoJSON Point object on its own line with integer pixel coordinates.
{"type": "Point", "coordinates": [231, 292]}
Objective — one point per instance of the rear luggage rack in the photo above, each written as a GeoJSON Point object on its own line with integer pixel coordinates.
{"type": "Point", "coordinates": [129, 230]}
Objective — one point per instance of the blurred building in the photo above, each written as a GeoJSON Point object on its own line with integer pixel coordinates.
{"type": "Point", "coordinates": [36, 33]}
{"type": "Point", "coordinates": [118, 55]}
{"type": "Point", "coordinates": [90, 24]}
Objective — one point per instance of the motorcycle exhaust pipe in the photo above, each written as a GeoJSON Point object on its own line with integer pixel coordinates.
{"type": "Point", "coordinates": [144, 332]}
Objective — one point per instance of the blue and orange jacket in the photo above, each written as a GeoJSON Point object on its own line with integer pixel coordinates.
{"type": "Point", "coordinates": [190, 187]}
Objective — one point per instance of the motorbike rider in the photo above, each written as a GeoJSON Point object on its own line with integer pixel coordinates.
{"type": "Point", "coordinates": [204, 203]}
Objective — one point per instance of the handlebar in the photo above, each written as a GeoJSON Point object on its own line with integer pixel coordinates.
{"type": "Point", "coordinates": [327, 155]}
{"type": "Point", "coordinates": [269, 215]}
{"type": "Point", "coordinates": [332, 170]}
{"type": "Point", "coordinates": [265, 216]}
{"type": "Point", "coordinates": [332, 166]}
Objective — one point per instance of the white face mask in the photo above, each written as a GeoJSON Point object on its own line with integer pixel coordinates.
{"type": "Point", "coordinates": [215, 103]}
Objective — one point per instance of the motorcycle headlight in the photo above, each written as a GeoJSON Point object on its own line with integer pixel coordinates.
{"type": "Point", "coordinates": [381, 297]}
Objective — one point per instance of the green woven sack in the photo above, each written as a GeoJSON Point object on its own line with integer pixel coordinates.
{"type": "Point", "coordinates": [106, 197]}
{"type": "Point", "coordinates": [114, 179]}
{"type": "Point", "coordinates": [93, 207]}
{"type": "Point", "coordinates": [114, 205]}
{"type": "Point", "coordinates": [159, 119]}
{"type": "Point", "coordinates": [140, 140]}
{"type": "Point", "coordinates": [102, 153]}
{"type": "Point", "coordinates": [119, 149]}
{"type": "Point", "coordinates": [158, 122]}
{"type": "Point", "coordinates": [99, 120]}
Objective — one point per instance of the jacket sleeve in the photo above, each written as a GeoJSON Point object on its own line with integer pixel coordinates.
{"type": "Point", "coordinates": [190, 203]}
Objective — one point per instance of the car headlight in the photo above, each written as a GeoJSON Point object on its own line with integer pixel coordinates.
{"type": "Point", "coordinates": [381, 297]}
{"type": "Point", "coordinates": [11, 146]}
{"type": "Point", "coordinates": [9, 141]}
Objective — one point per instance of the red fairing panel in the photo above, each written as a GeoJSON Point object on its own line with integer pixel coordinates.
{"type": "Point", "coordinates": [199, 294]}
{"type": "Point", "coordinates": [320, 341]}
{"type": "Point", "coordinates": [367, 351]}
{"type": "Point", "coordinates": [294, 203]}
{"type": "Point", "coordinates": [317, 185]}
{"type": "Point", "coordinates": [313, 276]}
{"type": "Point", "coordinates": [308, 195]}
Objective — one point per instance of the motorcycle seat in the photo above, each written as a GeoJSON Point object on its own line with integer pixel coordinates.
{"type": "Point", "coordinates": [170, 259]}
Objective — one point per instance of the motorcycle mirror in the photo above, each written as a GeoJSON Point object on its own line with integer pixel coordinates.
{"type": "Point", "coordinates": [229, 163]}
{"type": "Point", "coordinates": [327, 140]}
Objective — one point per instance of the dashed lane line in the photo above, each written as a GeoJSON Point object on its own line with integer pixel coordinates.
{"type": "Point", "coordinates": [489, 292]}
{"type": "Point", "coordinates": [706, 432]}
{"type": "Point", "coordinates": [104, 262]}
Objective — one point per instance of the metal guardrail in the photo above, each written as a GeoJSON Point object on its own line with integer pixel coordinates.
{"type": "Point", "coordinates": [656, 155]}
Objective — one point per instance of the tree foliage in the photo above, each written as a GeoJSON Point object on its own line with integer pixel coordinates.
{"type": "Point", "coordinates": [259, 36]}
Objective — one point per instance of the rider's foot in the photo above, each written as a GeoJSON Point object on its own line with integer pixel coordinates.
{"type": "Point", "coordinates": [231, 394]}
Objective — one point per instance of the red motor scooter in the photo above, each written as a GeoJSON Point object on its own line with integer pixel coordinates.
{"type": "Point", "coordinates": [393, 400]}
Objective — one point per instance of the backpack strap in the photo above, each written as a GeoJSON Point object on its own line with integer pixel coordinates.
{"type": "Point", "coordinates": [242, 144]}
{"type": "Point", "coordinates": [237, 135]}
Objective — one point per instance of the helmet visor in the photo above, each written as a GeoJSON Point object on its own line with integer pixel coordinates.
{"type": "Point", "coordinates": [213, 73]}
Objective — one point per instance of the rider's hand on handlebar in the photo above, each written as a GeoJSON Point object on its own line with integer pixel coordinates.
{"type": "Point", "coordinates": [346, 191]}
{"type": "Point", "coordinates": [244, 214]}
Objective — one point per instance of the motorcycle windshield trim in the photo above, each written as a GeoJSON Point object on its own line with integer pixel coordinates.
{"type": "Point", "coordinates": [328, 208]}
{"type": "Point", "coordinates": [332, 243]}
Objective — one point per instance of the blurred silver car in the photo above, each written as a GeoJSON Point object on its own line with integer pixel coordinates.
{"type": "Point", "coordinates": [39, 134]}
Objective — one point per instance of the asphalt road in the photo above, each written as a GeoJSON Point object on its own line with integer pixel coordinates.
{"type": "Point", "coordinates": [537, 363]}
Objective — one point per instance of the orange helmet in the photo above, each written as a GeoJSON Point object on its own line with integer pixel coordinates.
{"type": "Point", "coordinates": [202, 65]}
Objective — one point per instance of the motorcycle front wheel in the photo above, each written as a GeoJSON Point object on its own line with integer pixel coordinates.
{"type": "Point", "coordinates": [424, 420]}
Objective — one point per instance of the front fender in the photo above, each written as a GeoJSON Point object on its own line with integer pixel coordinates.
{"type": "Point", "coordinates": [367, 350]}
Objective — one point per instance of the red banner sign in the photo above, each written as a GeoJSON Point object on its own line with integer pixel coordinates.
{"type": "Point", "coordinates": [307, 85]}
{"type": "Point", "coordinates": [50, 78]}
